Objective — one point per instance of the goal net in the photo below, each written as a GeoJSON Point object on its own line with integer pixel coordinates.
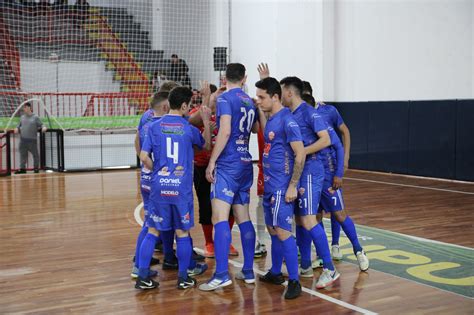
{"type": "Point", "coordinates": [93, 65]}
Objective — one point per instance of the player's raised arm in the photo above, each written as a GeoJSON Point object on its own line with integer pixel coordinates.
{"type": "Point", "coordinates": [263, 70]}
{"type": "Point", "coordinates": [206, 120]}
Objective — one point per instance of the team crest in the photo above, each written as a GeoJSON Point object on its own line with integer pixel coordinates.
{"type": "Point", "coordinates": [185, 219]}
{"type": "Point", "coordinates": [301, 191]}
{"type": "Point", "coordinates": [164, 171]}
{"type": "Point", "coordinates": [271, 135]}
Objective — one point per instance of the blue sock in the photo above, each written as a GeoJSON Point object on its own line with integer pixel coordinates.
{"type": "Point", "coordinates": [146, 252]}
{"type": "Point", "coordinates": [192, 262]}
{"type": "Point", "coordinates": [350, 230]}
{"type": "Point", "coordinates": [168, 237]}
{"type": "Point", "coordinates": [277, 255]}
{"type": "Point", "coordinates": [303, 239]}
{"type": "Point", "coordinates": [290, 251]}
{"type": "Point", "coordinates": [335, 230]}
{"type": "Point", "coordinates": [222, 240]}
{"type": "Point", "coordinates": [184, 253]}
{"type": "Point", "coordinates": [320, 240]}
{"type": "Point", "coordinates": [247, 236]}
{"type": "Point", "coordinates": [141, 237]}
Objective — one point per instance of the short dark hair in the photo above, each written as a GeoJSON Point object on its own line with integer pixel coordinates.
{"type": "Point", "coordinates": [213, 88]}
{"type": "Point", "coordinates": [307, 89]}
{"type": "Point", "coordinates": [178, 96]}
{"type": "Point", "coordinates": [294, 82]}
{"type": "Point", "coordinates": [28, 104]}
{"type": "Point", "coordinates": [235, 72]}
{"type": "Point", "coordinates": [174, 56]}
{"type": "Point", "coordinates": [270, 85]}
{"type": "Point", "coordinates": [309, 99]}
{"type": "Point", "coordinates": [158, 98]}
{"type": "Point", "coordinates": [167, 86]}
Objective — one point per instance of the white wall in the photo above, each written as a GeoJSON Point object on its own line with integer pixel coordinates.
{"type": "Point", "coordinates": [40, 76]}
{"type": "Point", "coordinates": [400, 50]}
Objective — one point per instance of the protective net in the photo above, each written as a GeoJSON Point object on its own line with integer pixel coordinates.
{"type": "Point", "coordinates": [93, 65]}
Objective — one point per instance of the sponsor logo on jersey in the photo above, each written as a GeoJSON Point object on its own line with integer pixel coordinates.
{"type": "Point", "coordinates": [272, 200]}
{"type": "Point", "coordinates": [241, 140]}
{"type": "Point", "coordinates": [242, 149]}
{"type": "Point", "coordinates": [289, 220]}
{"type": "Point", "coordinates": [292, 124]}
{"type": "Point", "coordinates": [301, 191]}
{"type": "Point", "coordinates": [246, 159]}
{"type": "Point", "coordinates": [164, 171]}
{"type": "Point", "coordinates": [172, 129]}
{"type": "Point", "coordinates": [170, 181]}
{"type": "Point", "coordinates": [266, 178]}
{"type": "Point", "coordinates": [146, 177]}
{"type": "Point", "coordinates": [228, 193]}
{"type": "Point", "coordinates": [170, 193]}
{"type": "Point", "coordinates": [156, 218]}
{"type": "Point", "coordinates": [146, 187]}
{"type": "Point", "coordinates": [271, 135]}
{"type": "Point", "coordinates": [266, 165]}
{"type": "Point", "coordinates": [179, 171]}
{"type": "Point", "coordinates": [185, 218]}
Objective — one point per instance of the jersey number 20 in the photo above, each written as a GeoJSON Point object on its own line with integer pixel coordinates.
{"type": "Point", "coordinates": [247, 116]}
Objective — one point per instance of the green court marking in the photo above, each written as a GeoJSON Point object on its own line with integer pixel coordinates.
{"type": "Point", "coordinates": [439, 265]}
{"type": "Point", "coordinates": [82, 122]}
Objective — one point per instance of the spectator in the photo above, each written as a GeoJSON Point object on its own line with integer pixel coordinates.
{"type": "Point", "coordinates": [28, 128]}
{"type": "Point", "coordinates": [179, 71]}
{"type": "Point", "coordinates": [158, 78]}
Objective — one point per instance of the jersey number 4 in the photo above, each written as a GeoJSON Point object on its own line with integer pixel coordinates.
{"type": "Point", "coordinates": [247, 117]}
{"type": "Point", "coordinates": [172, 149]}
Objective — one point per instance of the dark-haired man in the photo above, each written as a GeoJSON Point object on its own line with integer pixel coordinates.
{"type": "Point", "coordinates": [230, 171]}
{"type": "Point", "coordinates": [283, 162]}
{"type": "Point", "coordinates": [316, 138]}
{"type": "Point", "coordinates": [172, 139]}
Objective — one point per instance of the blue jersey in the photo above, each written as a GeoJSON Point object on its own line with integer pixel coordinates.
{"type": "Point", "coordinates": [310, 123]}
{"type": "Point", "coordinates": [237, 104]}
{"type": "Point", "coordinates": [145, 121]}
{"type": "Point", "coordinates": [330, 115]}
{"type": "Point", "coordinates": [278, 156]}
{"type": "Point", "coordinates": [171, 140]}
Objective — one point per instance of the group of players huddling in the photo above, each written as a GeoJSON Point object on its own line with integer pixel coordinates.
{"type": "Point", "coordinates": [303, 162]}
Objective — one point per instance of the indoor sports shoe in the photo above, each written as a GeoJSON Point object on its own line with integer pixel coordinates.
{"type": "Point", "coordinates": [260, 250]}
{"type": "Point", "coordinates": [20, 171]}
{"type": "Point", "coordinates": [363, 260]}
{"type": "Point", "coordinates": [198, 257]}
{"type": "Point", "coordinates": [159, 247]}
{"type": "Point", "coordinates": [153, 261]}
{"type": "Point", "coordinates": [247, 275]}
{"type": "Point", "coordinates": [336, 252]}
{"type": "Point", "coordinates": [293, 290]}
{"type": "Point", "coordinates": [269, 277]}
{"type": "Point", "coordinates": [209, 250]}
{"type": "Point", "coordinates": [151, 273]}
{"type": "Point", "coordinates": [146, 284]}
{"type": "Point", "coordinates": [215, 283]}
{"type": "Point", "coordinates": [36, 171]}
{"type": "Point", "coordinates": [198, 270]}
{"type": "Point", "coordinates": [233, 251]}
{"type": "Point", "coordinates": [306, 273]}
{"type": "Point", "coordinates": [326, 278]}
{"type": "Point", "coordinates": [170, 264]}
{"type": "Point", "coordinates": [317, 263]}
{"type": "Point", "coordinates": [184, 284]}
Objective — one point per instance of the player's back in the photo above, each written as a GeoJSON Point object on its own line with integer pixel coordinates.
{"type": "Point", "coordinates": [172, 140]}
{"type": "Point", "coordinates": [330, 115]}
{"type": "Point", "coordinates": [310, 123]}
{"type": "Point", "coordinates": [145, 121]}
{"type": "Point", "coordinates": [242, 110]}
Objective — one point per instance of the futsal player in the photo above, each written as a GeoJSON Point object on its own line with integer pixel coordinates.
{"type": "Point", "coordinates": [230, 171]}
{"type": "Point", "coordinates": [315, 138]}
{"type": "Point", "coordinates": [283, 162]}
{"type": "Point", "coordinates": [159, 107]}
{"type": "Point", "coordinates": [332, 199]}
{"type": "Point", "coordinates": [171, 140]}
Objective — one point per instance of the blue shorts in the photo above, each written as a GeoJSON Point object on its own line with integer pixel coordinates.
{"type": "Point", "coordinates": [278, 213]}
{"type": "Point", "coordinates": [145, 189]}
{"type": "Point", "coordinates": [331, 201]}
{"type": "Point", "coordinates": [309, 194]}
{"type": "Point", "coordinates": [233, 186]}
{"type": "Point", "coordinates": [165, 217]}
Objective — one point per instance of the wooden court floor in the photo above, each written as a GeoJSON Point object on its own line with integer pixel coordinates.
{"type": "Point", "coordinates": [67, 240]}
